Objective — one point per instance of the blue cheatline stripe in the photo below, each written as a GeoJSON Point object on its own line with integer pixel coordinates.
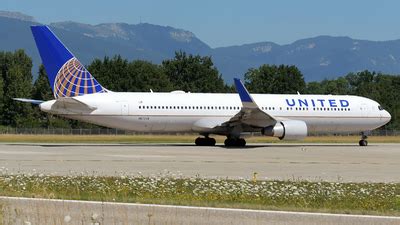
{"type": "Point", "coordinates": [242, 91]}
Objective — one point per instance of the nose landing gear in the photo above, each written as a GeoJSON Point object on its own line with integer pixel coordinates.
{"type": "Point", "coordinates": [363, 141]}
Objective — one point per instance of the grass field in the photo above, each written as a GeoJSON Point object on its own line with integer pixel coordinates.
{"type": "Point", "coordinates": [179, 139]}
{"type": "Point", "coordinates": [353, 198]}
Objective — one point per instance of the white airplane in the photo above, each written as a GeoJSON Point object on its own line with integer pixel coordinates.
{"type": "Point", "coordinates": [289, 117]}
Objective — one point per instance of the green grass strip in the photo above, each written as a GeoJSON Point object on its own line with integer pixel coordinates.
{"type": "Point", "coordinates": [353, 198]}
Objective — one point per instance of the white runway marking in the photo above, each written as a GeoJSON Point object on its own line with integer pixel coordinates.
{"type": "Point", "coordinates": [51, 210]}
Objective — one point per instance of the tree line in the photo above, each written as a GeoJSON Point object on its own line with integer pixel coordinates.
{"type": "Point", "coordinates": [187, 72]}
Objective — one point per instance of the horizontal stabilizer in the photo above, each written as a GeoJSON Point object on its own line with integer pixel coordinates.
{"type": "Point", "coordinates": [33, 101]}
{"type": "Point", "coordinates": [73, 103]}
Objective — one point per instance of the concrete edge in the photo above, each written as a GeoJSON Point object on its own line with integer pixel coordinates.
{"type": "Point", "coordinates": [205, 208]}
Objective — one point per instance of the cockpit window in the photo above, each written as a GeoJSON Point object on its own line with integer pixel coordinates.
{"type": "Point", "coordinates": [380, 107]}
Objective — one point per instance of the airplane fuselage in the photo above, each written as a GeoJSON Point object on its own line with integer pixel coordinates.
{"type": "Point", "coordinates": [78, 95]}
{"type": "Point", "coordinates": [181, 112]}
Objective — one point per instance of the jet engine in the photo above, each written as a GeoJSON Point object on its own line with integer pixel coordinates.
{"type": "Point", "coordinates": [288, 130]}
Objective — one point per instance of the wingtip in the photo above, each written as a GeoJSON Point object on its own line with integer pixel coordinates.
{"type": "Point", "coordinates": [236, 79]}
{"type": "Point", "coordinates": [242, 91]}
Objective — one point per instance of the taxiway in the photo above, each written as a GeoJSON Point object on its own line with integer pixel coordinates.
{"type": "Point", "coordinates": [328, 162]}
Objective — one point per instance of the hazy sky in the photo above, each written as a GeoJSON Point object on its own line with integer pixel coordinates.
{"type": "Point", "coordinates": [232, 22]}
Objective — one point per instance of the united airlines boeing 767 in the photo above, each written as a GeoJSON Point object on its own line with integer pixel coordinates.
{"type": "Point", "coordinates": [78, 95]}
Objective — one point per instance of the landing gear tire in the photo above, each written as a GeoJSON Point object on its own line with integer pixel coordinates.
{"type": "Point", "coordinates": [229, 142]}
{"type": "Point", "coordinates": [363, 143]}
{"type": "Point", "coordinates": [235, 142]}
{"type": "Point", "coordinates": [205, 141]}
{"type": "Point", "coordinates": [241, 142]}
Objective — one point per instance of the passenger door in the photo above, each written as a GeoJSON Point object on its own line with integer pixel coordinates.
{"type": "Point", "coordinates": [124, 108]}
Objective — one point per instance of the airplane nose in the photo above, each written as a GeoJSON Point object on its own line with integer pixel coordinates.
{"type": "Point", "coordinates": [386, 117]}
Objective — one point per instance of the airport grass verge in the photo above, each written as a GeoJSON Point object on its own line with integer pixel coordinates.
{"type": "Point", "coordinates": [151, 139]}
{"type": "Point", "coordinates": [171, 189]}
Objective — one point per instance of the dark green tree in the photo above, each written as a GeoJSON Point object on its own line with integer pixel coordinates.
{"type": "Point", "coordinates": [42, 91]}
{"type": "Point", "coordinates": [17, 77]}
{"type": "Point", "coordinates": [314, 87]}
{"type": "Point", "coordinates": [41, 88]}
{"type": "Point", "coordinates": [111, 73]}
{"type": "Point", "coordinates": [339, 86]}
{"type": "Point", "coordinates": [193, 73]}
{"type": "Point", "coordinates": [275, 79]}
{"type": "Point", "coordinates": [362, 83]}
{"type": "Point", "coordinates": [118, 74]}
{"type": "Point", "coordinates": [145, 76]}
{"type": "Point", "coordinates": [1, 98]}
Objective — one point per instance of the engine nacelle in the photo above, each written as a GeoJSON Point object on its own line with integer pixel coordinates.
{"type": "Point", "coordinates": [288, 130]}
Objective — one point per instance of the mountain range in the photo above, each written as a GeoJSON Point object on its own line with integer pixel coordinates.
{"type": "Point", "coordinates": [318, 57]}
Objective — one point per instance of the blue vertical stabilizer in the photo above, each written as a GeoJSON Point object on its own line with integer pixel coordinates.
{"type": "Point", "coordinates": [67, 76]}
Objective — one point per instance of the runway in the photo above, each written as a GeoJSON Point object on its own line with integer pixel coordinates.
{"type": "Point", "coordinates": [328, 162]}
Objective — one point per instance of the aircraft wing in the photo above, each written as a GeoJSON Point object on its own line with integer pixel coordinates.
{"type": "Point", "coordinates": [250, 114]}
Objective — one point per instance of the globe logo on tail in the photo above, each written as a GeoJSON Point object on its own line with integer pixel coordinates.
{"type": "Point", "coordinates": [73, 80]}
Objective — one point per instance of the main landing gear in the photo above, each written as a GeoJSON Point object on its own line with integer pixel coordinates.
{"type": "Point", "coordinates": [205, 141]}
{"type": "Point", "coordinates": [234, 142]}
{"type": "Point", "coordinates": [363, 141]}
{"type": "Point", "coordinates": [229, 142]}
